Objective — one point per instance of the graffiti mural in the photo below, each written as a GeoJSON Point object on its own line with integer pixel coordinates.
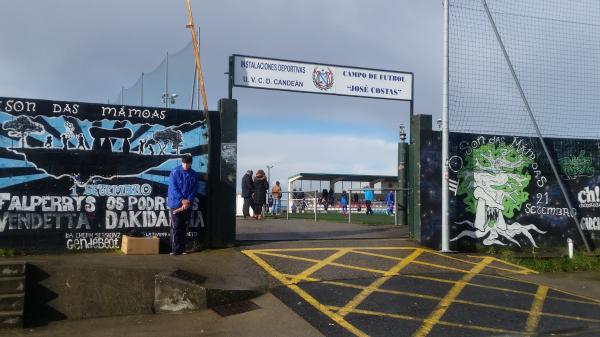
{"type": "Point", "coordinates": [77, 176]}
{"type": "Point", "coordinates": [504, 193]}
{"type": "Point", "coordinates": [493, 184]}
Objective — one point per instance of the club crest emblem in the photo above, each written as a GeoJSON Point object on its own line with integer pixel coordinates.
{"type": "Point", "coordinates": [322, 78]}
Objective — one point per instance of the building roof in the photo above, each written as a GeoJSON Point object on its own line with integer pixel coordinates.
{"type": "Point", "coordinates": [341, 177]}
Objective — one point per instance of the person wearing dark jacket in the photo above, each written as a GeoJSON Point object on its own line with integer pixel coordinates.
{"type": "Point", "coordinates": [247, 188]}
{"type": "Point", "coordinates": [259, 196]}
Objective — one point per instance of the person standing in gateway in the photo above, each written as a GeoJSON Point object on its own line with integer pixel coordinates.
{"type": "Point", "coordinates": [247, 188]}
{"type": "Point", "coordinates": [183, 185]}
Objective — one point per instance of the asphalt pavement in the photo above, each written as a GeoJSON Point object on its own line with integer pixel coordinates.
{"type": "Point", "coordinates": [351, 287]}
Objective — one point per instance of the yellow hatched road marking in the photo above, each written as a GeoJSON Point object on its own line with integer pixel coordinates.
{"type": "Point", "coordinates": [312, 249]}
{"type": "Point", "coordinates": [536, 309]}
{"type": "Point", "coordinates": [504, 289]}
{"type": "Point", "coordinates": [522, 271]}
{"type": "Point", "coordinates": [376, 271]}
{"type": "Point", "coordinates": [458, 325]}
{"type": "Point", "coordinates": [535, 313]}
{"type": "Point", "coordinates": [437, 298]}
{"type": "Point", "coordinates": [441, 308]}
{"type": "Point", "coordinates": [507, 263]}
{"type": "Point", "coordinates": [375, 285]}
{"type": "Point", "coordinates": [306, 296]}
{"type": "Point", "coordinates": [303, 275]}
{"type": "Point", "coordinates": [592, 300]}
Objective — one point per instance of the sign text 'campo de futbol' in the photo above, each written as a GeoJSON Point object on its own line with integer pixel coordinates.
{"type": "Point", "coordinates": [321, 78]}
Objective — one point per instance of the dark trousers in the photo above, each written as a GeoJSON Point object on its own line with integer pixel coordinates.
{"type": "Point", "coordinates": [179, 225]}
{"type": "Point", "coordinates": [246, 207]}
{"type": "Point", "coordinates": [257, 208]}
{"type": "Point", "coordinates": [368, 204]}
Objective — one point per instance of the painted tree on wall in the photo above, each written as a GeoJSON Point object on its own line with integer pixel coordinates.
{"type": "Point", "coordinates": [21, 127]}
{"type": "Point", "coordinates": [166, 137]}
{"type": "Point", "coordinates": [493, 183]}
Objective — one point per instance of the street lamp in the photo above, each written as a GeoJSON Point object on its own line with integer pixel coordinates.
{"type": "Point", "coordinates": [168, 98]}
{"type": "Point", "coordinates": [269, 167]}
{"type": "Point", "coordinates": [402, 133]}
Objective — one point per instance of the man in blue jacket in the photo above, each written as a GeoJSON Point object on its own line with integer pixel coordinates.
{"type": "Point", "coordinates": [183, 185]}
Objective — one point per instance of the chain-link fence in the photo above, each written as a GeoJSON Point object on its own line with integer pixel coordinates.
{"type": "Point", "coordinates": [554, 47]}
{"type": "Point", "coordinates": [172, 84]}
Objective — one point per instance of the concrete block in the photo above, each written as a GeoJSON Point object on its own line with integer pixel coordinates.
{"type": "Point", "coordinates": [173, 293]}
{"type": "Point", "coordinates": [10, 320]}
{"type": "Point", "coordinates": [12, 302]}
{"type": "Point", "coordinates": [12, 269]}
{"type": "Point", "coordinates": [12, 285]}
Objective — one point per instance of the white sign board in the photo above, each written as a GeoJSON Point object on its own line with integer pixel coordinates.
{"type": "Point", "coordinates": [321, 78]}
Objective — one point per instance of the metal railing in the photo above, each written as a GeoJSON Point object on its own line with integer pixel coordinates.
{"type": "Point", "coordinates": [311, 202]}
{"type": "Point", "coordinates": [380, 190]}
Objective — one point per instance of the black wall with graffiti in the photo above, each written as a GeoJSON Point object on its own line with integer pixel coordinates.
{"type": "Point", "coordinates": [76, 176]}
{"type": "Point", "coordinates": [503, 191]}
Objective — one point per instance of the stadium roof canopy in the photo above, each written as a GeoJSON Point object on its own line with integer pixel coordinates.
{"type": "Point", "coordinates": [333, 178]}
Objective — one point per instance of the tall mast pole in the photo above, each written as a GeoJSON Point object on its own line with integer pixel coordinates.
{"type": "Point", "coordinates": [192, 29]}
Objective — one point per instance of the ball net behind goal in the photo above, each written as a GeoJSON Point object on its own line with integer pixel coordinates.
{"type": "Point", "coordinates": [554, 47]}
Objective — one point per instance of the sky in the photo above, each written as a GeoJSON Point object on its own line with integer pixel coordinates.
{"type": "Point", "coordinates": [87, 50]}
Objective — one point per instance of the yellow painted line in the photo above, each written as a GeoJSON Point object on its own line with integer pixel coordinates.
{"type": "Point", "coordinates": [436, 298]}
{"type": "Point", "coordinates": [378, 255]}
{"type": "Point", "coordinates": [312, 249]}
{"type": "Point", "coordinates": [299, 258]}
{"type": "Point", "coordinates": [370, 270]}
{"type": "Point", "coordinates": [471, 284]}
{"type": "Point", "coordinates": [441, 308]}
{"type": "Point", "coordinates": [358, 299]}
{"type": "Point", "coordinates": [536, 309]}
{"type": "Point", "coordinates": [451, 257]}
{"type": "Point", "coordinates": [586, 301]}
{"type": "Point", "coordinates": [530, 271]}
{"type": "Point", "coordinates": [306, 296]}
{"type": "Point", "coordinates": [442, 267]}
{"type": "Point", "coordinates": [458, 325]}
{"type": "Point", "coordinates": [589, 300]}
{"type": "Point", "coordinates": [316, 267]}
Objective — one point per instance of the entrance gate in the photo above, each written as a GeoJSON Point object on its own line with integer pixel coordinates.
{"type": "Point", "coordinates": [287, 75]}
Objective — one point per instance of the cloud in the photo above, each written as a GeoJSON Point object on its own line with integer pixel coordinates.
{"type": "Point", "coordinates": [303, 152]}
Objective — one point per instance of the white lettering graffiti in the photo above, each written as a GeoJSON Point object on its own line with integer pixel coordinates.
{"type": "Point", "coordinates": [558, 211]}
{"type": "Point", "coordinates": [67, 108]}
{"type": "Point", "coordinates": [47, 203]}
{"type": "Point", "coordinates": [46, 221]}
{"type": "Point", "coordinates": [18, 106]}
{"type": "Point", "coordinates": [590, 223]}
{"type": "Point", "coordinates": [118, 190]}
{"type": "Point", "coordinates": [125, 112]}
{"type": "Point", "coordinates": [81, 241]}
{"type": "Point", "coordinates": [144, 212]}
{"type": "Point", "coordinates": [589, 198]}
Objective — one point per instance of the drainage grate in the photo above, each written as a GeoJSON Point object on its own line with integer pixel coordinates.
{"type": "Point", "coordinates": [235, 308]}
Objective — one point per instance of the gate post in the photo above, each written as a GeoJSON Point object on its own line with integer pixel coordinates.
{"type": "Point", "coordinates": [402, 183]}
{"type": "Point", "coordinates": [417, 123]}
{"type": "Point", "coordinates": [222, 174]}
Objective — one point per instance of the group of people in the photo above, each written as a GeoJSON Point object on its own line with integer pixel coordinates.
{"type": "Point", "coordinates": [255, 192]}
{"type": "Point", "coordinates": [369, 196]}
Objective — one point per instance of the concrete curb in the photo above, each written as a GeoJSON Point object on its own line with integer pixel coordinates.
{"type": "Point", "coordinates": [181, 290]}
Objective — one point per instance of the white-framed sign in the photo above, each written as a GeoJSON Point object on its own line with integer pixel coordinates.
{"type": "Point", "coordinates": [262, 73]}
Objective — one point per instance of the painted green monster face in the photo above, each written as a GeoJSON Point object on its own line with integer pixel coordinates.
{"type": "Point", "coordinates": [498, 172]}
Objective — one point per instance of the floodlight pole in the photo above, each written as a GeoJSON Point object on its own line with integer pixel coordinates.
{"type": "Point", "coordinates": [445, 196]}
